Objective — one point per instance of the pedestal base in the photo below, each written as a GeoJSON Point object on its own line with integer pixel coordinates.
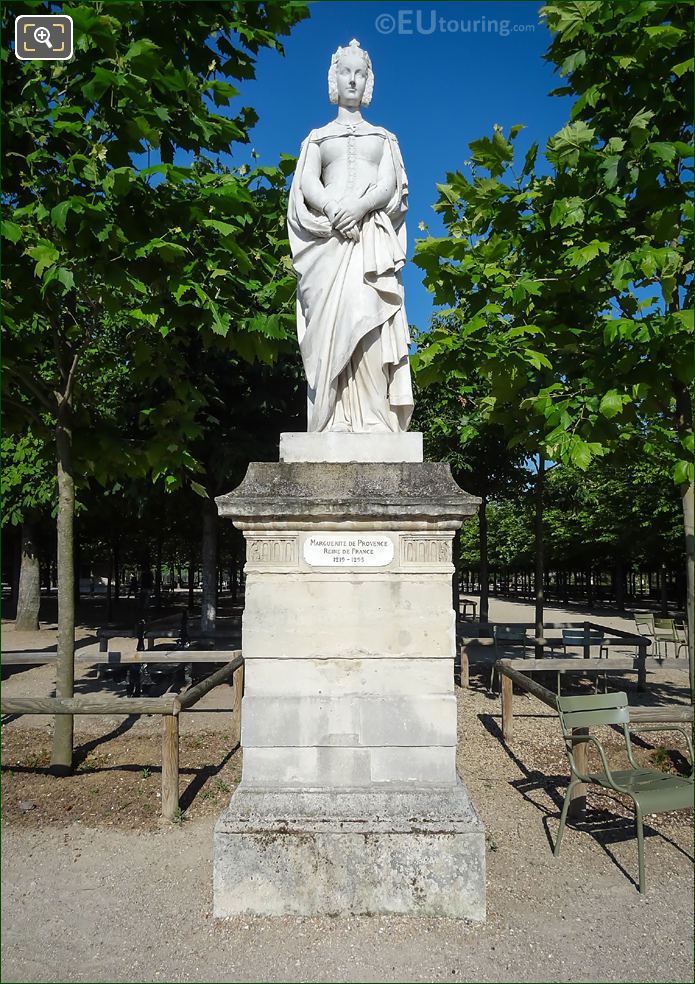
{"type": "Point", "coordinates": [325, 852]}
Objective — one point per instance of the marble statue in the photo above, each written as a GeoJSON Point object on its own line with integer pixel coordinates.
{"type": "Point", "coordinates": [346, 221]}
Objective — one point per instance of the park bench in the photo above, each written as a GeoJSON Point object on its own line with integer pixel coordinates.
{"type": "Point", "coordinates": [651, 790]}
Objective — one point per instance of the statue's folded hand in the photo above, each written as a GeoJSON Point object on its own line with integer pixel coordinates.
{"type": "Point", "coordinates": [350, 212]}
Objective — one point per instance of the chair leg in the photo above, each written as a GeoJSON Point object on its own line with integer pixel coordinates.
{"type": "Point", "coordinates": [640, 849]}
{"type": "Point", "coordinates": [563, 817]}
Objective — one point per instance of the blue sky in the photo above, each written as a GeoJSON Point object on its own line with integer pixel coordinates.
{"type": "Point", "coordinates": [436, 91]}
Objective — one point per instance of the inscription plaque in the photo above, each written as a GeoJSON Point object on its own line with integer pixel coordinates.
{"type": "Point", "coordinates": [348, 550]}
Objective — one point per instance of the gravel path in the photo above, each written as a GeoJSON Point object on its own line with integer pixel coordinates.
{"type": "Point", "coordinates": [90, 902]}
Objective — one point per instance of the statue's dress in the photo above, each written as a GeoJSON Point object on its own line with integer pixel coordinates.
{"type": "Point", "coordinates": [351, 321]}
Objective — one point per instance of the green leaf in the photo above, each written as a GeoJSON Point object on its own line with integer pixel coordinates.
{"type": "Point", "coordinates": [567, 212]}
{"type": "Point", "coordinates": [637, 128]}
{"type": "Point", "coordinates": [221, 321]}
{"type": "Point", "coordinates": [611, 167]}
{"type": "Point", "coordinates": [580, 256]}
{"type": "Point", "coordinates": [66, 278]}
{"type": "Point", "coordinates": [45, 254]}
{"type": "Point", "coordinates": [565, 146]}
{"type": "Point", "coordinates": [530, 160]}
{"type": "Point", "coordinates": [494, 155]}
{"type": "Point", "coordinates": [612, 404]}
{"type": "Point", "coordinates": [10, 231]}
{"type": "Point", "coordinates": [682, 67]}
{"type": "Point", "coordinates": [226, 228]}
{"type": "Point", "coordinates": [684, 473]}
{"type": "Point", "coordinates": [166, 250]}
{"type": "Point", "coordinates": [199, 490]}
{"type": "Point", "coordinates": [119, 181]}
{"type": "Point", "coordinates": [622, 273]}
{"type": "Point", "coordinates": [59, 215]}
{"type": "Point", "coordinates": [665, 152]}
{"type": "Point", "coordinates": [537, 359]}
{"type": "Point", "coordinates": [143, 50]}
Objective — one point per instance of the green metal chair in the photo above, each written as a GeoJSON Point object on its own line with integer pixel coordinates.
{"type": "Point", "coordinates": [668, 630]}
{"type": "Point", "coordinates": [645, 624]}
{"type": "Point", "coordinates": [651, 790]}
{"type": "Point", "coordinates": [515, 634]}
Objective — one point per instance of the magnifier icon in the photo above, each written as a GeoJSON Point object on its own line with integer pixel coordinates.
{"type": "Point", "coordinates": [42, 35]}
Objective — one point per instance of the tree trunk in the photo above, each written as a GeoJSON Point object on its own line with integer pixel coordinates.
{"type": "Point", "coordinates": [687, 500]}
{"type": "Point", "coordinates": [540, 482]}
{"type": "Point", "coordinates": [109, 610]}
{"type": "Point", "coordinates": [664, 592]}
{"type": "Point", "coordinates": [116, 572]}
{"type": "Point", "coordinates": [61, 759]}
{"type": "Point", "coordinates": [208, 605]}
{"type": "Point", "coordinates": [619, 586]}
{"type": "Point", "coordinates": [76, 559]}
{"type": "Point", "coordinates": [484, 563]}
{"type": "Point", "coordinates": [191, 585]}
{"type": "Point", "coordinates": [158, 574]}
{"type": "Point", "coordinates": [29, 589]}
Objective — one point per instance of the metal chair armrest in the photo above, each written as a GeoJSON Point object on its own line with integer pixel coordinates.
{"type": "Point", "coordinates": [578, 740]}
{"type": "Point", "coordinates": [666, 727]}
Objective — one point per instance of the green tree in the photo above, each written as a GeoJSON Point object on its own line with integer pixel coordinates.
{"type": "Point", "coordinates": [88, 235]}
{"type": "Point", "coordinates": [480, 461]}
{"type": "Point", "coordinates": [627, 158]}
{"type": "Point", "coordinates": [28, 494]}
{"type": "Point", "coordinates": [573, 289]}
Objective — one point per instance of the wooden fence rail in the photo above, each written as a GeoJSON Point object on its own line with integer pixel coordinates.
{"type": "Point", "coordinates": [170, 707]}
{"type": "Point", "coordinates": [91, 657]}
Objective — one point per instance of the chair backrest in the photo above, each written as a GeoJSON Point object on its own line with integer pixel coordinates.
{"type": "Point", "coordinates": [512, 633]}
{"type": "Point", "coordinates": [665, 623]}
{"type": "Point", "coordinates": [592, 711]}
{"type": "Point", "coordinates": [645, 621]}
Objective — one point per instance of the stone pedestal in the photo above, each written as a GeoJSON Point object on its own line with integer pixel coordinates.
{"type": "Point", "coordinates": [349, 799]}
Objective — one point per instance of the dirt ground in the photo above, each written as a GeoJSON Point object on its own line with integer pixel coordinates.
{"type": "Point", "coordinates": [96, 888]}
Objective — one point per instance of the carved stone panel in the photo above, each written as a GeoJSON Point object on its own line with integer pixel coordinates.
{"type": "Point", "coordinates": [418, 550]}
{"type": "Point", "coordinates": [271, 551]}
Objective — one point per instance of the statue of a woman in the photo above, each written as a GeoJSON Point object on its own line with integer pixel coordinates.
{"type": "Point", "coordinates": [346, 226]}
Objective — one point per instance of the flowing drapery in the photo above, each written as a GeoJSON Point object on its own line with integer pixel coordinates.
{"type": "Point", "coordinates": [346, 290]}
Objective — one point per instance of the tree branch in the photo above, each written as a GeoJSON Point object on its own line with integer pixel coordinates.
{"type": "Point", "coordinates": [71, 377]}
{"type": "Point", "coordinates": [41, 395]}
{"type": "Point", "coordinates": [24, 408]}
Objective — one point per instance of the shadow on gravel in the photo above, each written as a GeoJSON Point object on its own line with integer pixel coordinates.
{"type": "Point", "coordinates": [189, 794]}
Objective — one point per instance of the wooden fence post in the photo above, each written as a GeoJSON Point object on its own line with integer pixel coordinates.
{"type": "Point", "coordinates": [170, 766]}
{"type": "Point", "coordinates": [507, 695]}
{"type": "Point", "coordinates": [580, 752]}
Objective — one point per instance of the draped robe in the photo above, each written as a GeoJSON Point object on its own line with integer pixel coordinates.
{"type": "Point", "coordinates": [351, 322]}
